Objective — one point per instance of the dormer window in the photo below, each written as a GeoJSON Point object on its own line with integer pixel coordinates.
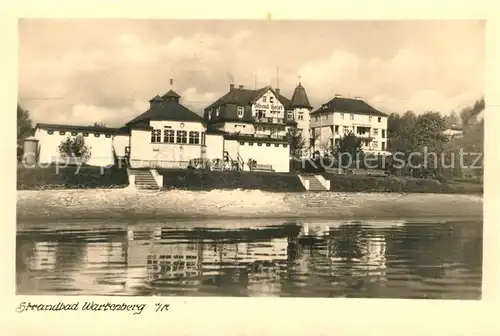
{"type": "Point", "coordinates": [290, 115]}
{"type": "Point", "coordinates": [241, 110]}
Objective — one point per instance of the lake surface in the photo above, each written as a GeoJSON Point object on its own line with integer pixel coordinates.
{"type": "Point", "coordinates": [365, 259]}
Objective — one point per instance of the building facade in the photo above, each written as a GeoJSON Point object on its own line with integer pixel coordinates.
{"type": "Point", "coordinates": [341, 116]}
{"type": "Point", "coordinates": [246, 129]}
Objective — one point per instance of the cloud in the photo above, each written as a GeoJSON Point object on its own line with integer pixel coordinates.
{"type": "Point", "coordinates": [84, 71]}
{"type": "Point", "coordinates": [108, 82]}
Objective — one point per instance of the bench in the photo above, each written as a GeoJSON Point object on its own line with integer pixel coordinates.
{"type": "Point", "coordinates": [262, 168]}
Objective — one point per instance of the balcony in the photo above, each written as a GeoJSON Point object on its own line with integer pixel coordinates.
{"type": "Point", "coordinates": [364, 135]}
{"type": "Point", "coordinates": [269, 120]}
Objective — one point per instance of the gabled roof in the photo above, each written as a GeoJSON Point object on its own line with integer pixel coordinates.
{"type": "Point", "coordinates": [78, 128]}
{"type": "Point", "coordinates": [171, 94]}
{"type": "Point", "coordinates": [246, 97]}
{"type": "Point", "coordinates": [349, 105]}
{"type": "Point", "coordinates": [299, 98]}
{"type": "Point", "coordinates": [156, 99]}
{"type": "Point", "coordinates": [170, 110]}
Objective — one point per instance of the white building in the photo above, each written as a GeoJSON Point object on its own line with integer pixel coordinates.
{"type": "Point", "coordinates": [342, 115]}
{"type": "Point", "coordinates": [241, 127]}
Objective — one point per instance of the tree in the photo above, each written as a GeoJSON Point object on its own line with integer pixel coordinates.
{"type": "Point", "coordinates": [24, 126]}
{"type": "Point", "coordinates": [75, 148]}
{"type": "Point", "coordinates": [351, 145]}
{"type": "Point", "coordinates": [99, 124]}
{"type": "Point", "coordinates": [296, 142]}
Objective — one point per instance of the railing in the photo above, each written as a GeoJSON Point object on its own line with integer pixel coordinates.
{"type": "Point", "coordinates": [269, 120]}
{"type": "Point", "coordinates": [158, 178]}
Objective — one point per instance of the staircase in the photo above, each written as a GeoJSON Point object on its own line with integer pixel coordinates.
{"type": "Point", "coordinates": [314, 183]}
{"type": "Point", "coordinates": [144, 179]}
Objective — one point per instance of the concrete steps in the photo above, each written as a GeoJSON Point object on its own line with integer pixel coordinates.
{"type": "Point", "coordinates": [144, 179]}
{"type": "Point", "coordinates": [314, 183]}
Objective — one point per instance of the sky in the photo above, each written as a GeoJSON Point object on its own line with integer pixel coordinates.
{"type": "Point", "coordinates": [85, 71]}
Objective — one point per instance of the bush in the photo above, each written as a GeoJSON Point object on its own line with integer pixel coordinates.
{"type": "Point", "coordinates": [54, 177]}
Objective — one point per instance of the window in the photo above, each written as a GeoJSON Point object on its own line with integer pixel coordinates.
{"type": "Point", "coordinates": [336, 129]}
{"type": "Point", "coordinates": [369, 118]}
{"type": "Point", "coordinates": [264, 99]}
{"type": "Point", "coordinates": [242, 142]}
{"type": "Point", "coordinates": [383, 134]}
{"type": "Point", "coordinates": [346, 129]}
{"type": "Point", "coordinates": [85, 134]}
{"type": "Point", "coordinates": [108, 135]}
{"type": "Point", "coordinates": [50, 132]}
{"type": "Point", "coordinates": [259, 144]}
{"type": "Point", "coordinates": [375, 131]}
{"type": "Point", "coordinates": [97, 135]}
{"type": "Point", "coordinates": [240, 111]}
{"type": "Point", "coordinates": [342, 115]}
{"type": "Point", "coordinates": [62, 132]}
{"type": "Point", "coordinates": [74, 133]}
{"type": "Point", "coordinates": [268, 145]}
{"type": "Point", "coordinates": [316, 118]}
{"type": "Point", "coordinates": [375, 144]}
{"type": "Point", "coordinates": [300, 116]}
{"type": "Point", "coordinates": [383, 146]}
{"type": "Point", "coordinates": [352, 116]}
{"type": "Point", "coordinates": [290, 115]}
{"type": "Point", "coordinates": [218, 110]}
{"type": "Point", "coordinates": [285, 145]}
{"type": "Point", "coordinates": [194, 138]}
{"type": "Point", "coordinates": [169, 136]}
{"type": "Point", "coordinates": [209, 115]}
{"type": "Point", "coordinates": [250, 143]}
{"type": "Point", "coordinates": [379, 119]}
{"type": "Point", "coordinates": [271, 100]}
{"type": "Point", "coordinates": [181, 137]}
{"type": "Point", "coordinates": [276, 145]}
{"type": "Point", "coordinates": [156, 135]}
{"type": "Point", "coordinates": [203, 138]}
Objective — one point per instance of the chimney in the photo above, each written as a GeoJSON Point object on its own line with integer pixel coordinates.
{"type": "Point", "coordinates": [278, 90]}
{"type": "Point", "coordinates": [231, 87]}
{"type": "Point", "coordinates": [241, 87]}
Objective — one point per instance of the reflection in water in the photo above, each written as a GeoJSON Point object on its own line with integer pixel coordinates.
{"type": "Point", "coordinates": [336, 259]}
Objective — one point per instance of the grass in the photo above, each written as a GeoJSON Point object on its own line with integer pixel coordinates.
{"type": "Point", "coordinates": [364, 183]}
{"type": "Point", "coordinates": [92, 178]}
{"type": "Point", "coordinates": [210, 180]}
{"type": "Point", "coordinates": [54, 177]}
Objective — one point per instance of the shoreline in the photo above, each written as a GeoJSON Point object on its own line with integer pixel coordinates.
{"type": "Point", "coordinates": [174, 205]}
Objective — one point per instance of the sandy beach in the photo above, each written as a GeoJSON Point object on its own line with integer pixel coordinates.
{"type": "Point", "coordinates": [121, 204]}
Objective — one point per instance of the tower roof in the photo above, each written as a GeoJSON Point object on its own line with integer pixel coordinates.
{"type": "Point", "coordinates": [299, 98]}
{"type": "Point", "coordinates": [171, 94]}
{"type": "Point", "coordinates": [156, 99]}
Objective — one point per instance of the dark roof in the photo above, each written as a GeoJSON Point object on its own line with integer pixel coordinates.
{"type": "Point", "coordinates": [156, 99]}
{"type": "Point", "coordinates": [245, 97]}
{"type": "Point", "coordinates": [171, 94]}
{"type": "Point", "coordinates": [251, 138]}
{"type": "Point", "coordinates": [299, 98]}
{"type": "Point", "coordinates": [170, 110]}
{"type": "Point", "coordinates": [79, 128]}
{"type": "Point", "coordinates": [353, 105]}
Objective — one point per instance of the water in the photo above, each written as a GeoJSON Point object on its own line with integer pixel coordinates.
{"type": "Point", "coordinates": [378, 259]}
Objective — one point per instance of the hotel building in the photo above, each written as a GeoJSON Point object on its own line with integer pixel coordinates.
{"type": "Point", "coordinates": [340, 116]}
